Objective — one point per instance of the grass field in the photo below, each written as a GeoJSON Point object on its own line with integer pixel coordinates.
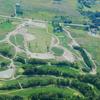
{"type": "Point", "coordinates": [90, 43]}
{"type": "Point", "coordinates": [57, 51]}
{"type": "Point", "coordinates": [41, 41]}
{"type": "Point", "coordinates": [7, 50]}
{"type": "Point", "coordinates": [44, 9]}
{"type": "Point", "coordinates": [4, 63]}
{"type": "Point", "coordinates": [26, 92]}
{"type": "Point", "coordinates": [47, 89]}
{"type": "Point", "coordinates": [7, 26]}
{"type": "Point", "coordinates": [18, 40]}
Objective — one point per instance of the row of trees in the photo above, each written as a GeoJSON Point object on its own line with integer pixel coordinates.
{"type": "Point", "coordinates": [35, 62]}
{"type": "Point", "coordinates": [86, 58]}
{"type": "Point", "coordinates": [93, 16]}
{"type": "Point", "coordinates": [5, 50]}
{"type": "Point", "coordinates": [86, 3]}
{"type": "Point", "coordinates": [48, 70]}
{"type": "Point", "coordinates": [57, 20]}
{"type": "Point", "coordinates": [92, 79]}
{"type": "Point", "coordinates": [54, 96]}
{"type": "Point", "coordinates": [84, 88]}
{"type": "Point", "coordinates": [6, 97]}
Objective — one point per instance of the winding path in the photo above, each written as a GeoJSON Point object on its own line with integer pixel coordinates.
{"type": "Point", "coordinates": [12, 66]}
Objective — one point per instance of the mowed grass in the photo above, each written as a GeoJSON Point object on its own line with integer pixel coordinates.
{"type": "Point", "coordinates": [63, 39]}
{"type": "Point", "coordinates": [3, 63]}
{"type": "Point", "coordinates": [42, 40]}
{"type": "Point", "coordinates": [7, 49]}
{"type": "Point", "coordinates": [26, 92]}
{"type": "Point", "coordinates": [7, 26]}
{"type": "Point", "coordinates": [2, 59]}
{"type": "Point", "coordinates": [44, 90]}
{"type": "Point", "coordinates": [57, 51]}
{"type": "Point", "coordinates": [4, 29]}
{"type": "Point", "coordinates": [90, 43]}
{"type": "Point", "coordinates": [18, 40]}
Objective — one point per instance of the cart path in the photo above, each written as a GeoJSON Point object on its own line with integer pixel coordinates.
{"type": "Point", "coordinates": [12, 66]}
{"type": "Point", "coordinates": [75, 43]}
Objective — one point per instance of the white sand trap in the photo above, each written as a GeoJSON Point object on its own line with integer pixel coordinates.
{"type": "Point", "coordinates": [6, 74]}
{"type": "Point", "coordinates": [37, 24]}
{"type": "Point", "coordinates": [42, 55]}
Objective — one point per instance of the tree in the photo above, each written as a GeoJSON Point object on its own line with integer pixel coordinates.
{"type": "Point", "coordinates": [86, 3]}
{"type": "Point", "coordinates": [17, 98]}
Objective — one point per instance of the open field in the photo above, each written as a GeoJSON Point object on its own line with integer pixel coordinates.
{"type": "Point", "coordinates": [18, 40]}
{"type": "Point", "coordinates": [44, 9]}
{"type": "Point", "coordinates": [41, 40]}
{"type": "Point", "coordinates": [57, 51]}
{"type": "Point", "coordinates": [7, 25]}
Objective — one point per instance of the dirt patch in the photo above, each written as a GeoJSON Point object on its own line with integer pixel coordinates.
{"type": "Point", "coordinates": [37, 24]}
{"type": "Point", "coordinates": [54, 41]}
{"type": "Point", "coordinates": [61, 58]}
{"type": "Point", "coordinates": [68, 56]}
{"type": "Point", "coordinates": [29, 37]}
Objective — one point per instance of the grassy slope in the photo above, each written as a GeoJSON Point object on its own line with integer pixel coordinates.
{"type": "Point", "coordinates": [44, 9]}
{"type": "Point", "coordinates": [36, 90]}
{"type": "Point", "coordinates": [90, 43]}
{"type": "Point", "coordinates": [6, 26]}
{"type": "Point", "coordinates": [42, 40]}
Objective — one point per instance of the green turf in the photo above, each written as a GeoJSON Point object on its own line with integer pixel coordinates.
{"type": "Point", "coordinates": [57, 51]}
{"type": "Point", "coordinates": [7, 26]}
{"type": "Point", "coordinates": [7, 50]}
{"type": "Point", "coordinates": [44, 9]}
{"type": "Point", "coordinates": [90, 43]}
{"type": "Point", "coordinates": [18, 40]}
{"type": "Point", "coordinates": [42, 40]}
